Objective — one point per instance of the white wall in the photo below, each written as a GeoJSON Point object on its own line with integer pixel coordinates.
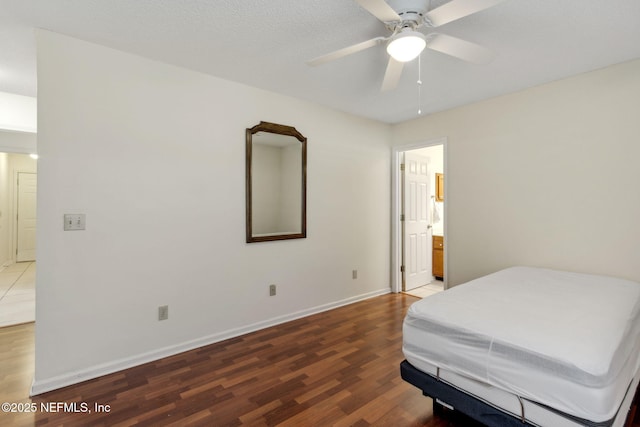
{"type": "Point", "coordinates": [546, 177]}
{"type": "Point", "coordinates": [154, 156]}
{"type": "Point", "coordinates": [18, 112]}
{"type": "Point", "coordinates": [17, 142]}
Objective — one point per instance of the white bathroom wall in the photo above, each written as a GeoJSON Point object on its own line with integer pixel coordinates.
{"type": "Point", "coordinates": [154, 156]}
{"type": "Point", "coordinates": [546, 177]}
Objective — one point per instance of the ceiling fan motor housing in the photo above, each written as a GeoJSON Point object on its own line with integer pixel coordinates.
{"type": "Point", "coordinates": [411, 12]}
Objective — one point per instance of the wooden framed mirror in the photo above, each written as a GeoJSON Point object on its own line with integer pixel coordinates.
{"type": "Point", "coordinates": [276, 183]}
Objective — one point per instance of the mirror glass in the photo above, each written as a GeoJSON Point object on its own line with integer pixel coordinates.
{"type": "Point", "coordinates": [276, 183]}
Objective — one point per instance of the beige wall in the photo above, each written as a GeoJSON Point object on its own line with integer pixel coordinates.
{"type": "Point", "coordinates": [154, 155]}
{"type": "Point", "coordinates": [547, 177]}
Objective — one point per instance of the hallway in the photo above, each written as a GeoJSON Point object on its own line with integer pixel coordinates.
{"type": "Point", "coordinates": [18, 294]}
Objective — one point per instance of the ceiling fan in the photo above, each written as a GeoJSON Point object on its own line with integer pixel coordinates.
{"type": "Point", "coordinates": [406, 20]}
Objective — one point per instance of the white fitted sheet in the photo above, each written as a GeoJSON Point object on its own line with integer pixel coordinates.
{"type": "Point", "coordinates": [567, 340]}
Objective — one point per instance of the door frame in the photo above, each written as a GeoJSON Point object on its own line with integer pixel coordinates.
{"type": "Point", "coordinates": [396, 208]}
{"type": "Point", "coordinates": [16, 213]}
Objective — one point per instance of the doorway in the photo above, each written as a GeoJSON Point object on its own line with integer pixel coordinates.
{"type": "Point", "coordinates": [18, 193]}
{"type": "Point", "coordinates": [418, 215]}
{"type": "Point", "coordinates": [18, 183]}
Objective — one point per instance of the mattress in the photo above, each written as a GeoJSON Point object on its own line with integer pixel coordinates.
{"type": "Point", "coordinates": [564, 340]}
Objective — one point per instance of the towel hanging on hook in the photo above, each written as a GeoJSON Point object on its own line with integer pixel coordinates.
{"type": "Point", "coordinates": [435, 217]}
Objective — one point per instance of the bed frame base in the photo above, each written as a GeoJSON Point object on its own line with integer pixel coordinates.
{"type": "Point", "coordinates": [447, 396]}
{"type": "Point", "coordinates": [460, 401]}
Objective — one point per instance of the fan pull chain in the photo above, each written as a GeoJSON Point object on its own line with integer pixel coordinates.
{"type": "Point", "coordinates": [419, 84]}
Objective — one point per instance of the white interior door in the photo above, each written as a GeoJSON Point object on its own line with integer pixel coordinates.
{"type": "Point", "coordinates": [417, 225]}
{"type": "Point", "coordinates": [26, 229]}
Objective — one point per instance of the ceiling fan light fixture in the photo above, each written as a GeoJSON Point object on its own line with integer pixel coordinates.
{"type": "Point", "coordinates": [406, 45]}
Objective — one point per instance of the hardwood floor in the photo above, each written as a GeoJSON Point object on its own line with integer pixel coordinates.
{"type": "Point", "coordinates": [338, 368]}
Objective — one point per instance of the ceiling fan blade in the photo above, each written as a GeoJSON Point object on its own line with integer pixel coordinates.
{"type": "Point", "coordinates": [459, 48]}
{"type": "Point", "coordinates": [392, 75]}
{"type": "Point", "coordinates": [457, 9]}
{"type": "Point", "coordinates": [380, 9]}
{"type": "Point", "coordinates": [345, 51]}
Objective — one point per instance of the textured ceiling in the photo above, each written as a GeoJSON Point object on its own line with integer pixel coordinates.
{"type": "Point", "coordinates": [267, 43]}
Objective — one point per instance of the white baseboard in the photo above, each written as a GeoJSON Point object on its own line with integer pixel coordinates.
{"type": "Point", "coordinates": [67, 379]}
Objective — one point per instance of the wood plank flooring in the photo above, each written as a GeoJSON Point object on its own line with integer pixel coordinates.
{"type": "Point", "coordinates": [338, 368]}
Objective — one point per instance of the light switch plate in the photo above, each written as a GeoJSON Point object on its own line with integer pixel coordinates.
{"type": "Point", "coordinates": [74, 222]}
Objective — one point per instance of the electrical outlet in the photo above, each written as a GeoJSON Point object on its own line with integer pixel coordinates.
{"type": "Point", "coordinates": [163, 312]}
{"type": "Point", "coordinates": [272, 290]}
{"type": "Point", "coordinates": [354, 274]}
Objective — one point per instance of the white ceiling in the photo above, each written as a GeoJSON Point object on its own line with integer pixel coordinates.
{"type": "Point", "coordinates": [266, 43]}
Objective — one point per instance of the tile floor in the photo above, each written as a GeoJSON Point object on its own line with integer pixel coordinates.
{"type": "Point", "coordinates": [18, 294]}
{"type": "Point", "coordinates": [426, 290]}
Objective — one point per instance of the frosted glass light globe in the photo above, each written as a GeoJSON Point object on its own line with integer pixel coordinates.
{"type": "Point", "coordinates": [407, 45]}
